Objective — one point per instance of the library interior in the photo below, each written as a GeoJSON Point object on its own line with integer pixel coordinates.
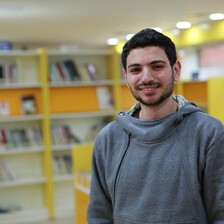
{"type": "Point", "coordinates": [61, 82]}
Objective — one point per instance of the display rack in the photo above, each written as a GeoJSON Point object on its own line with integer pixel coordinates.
{"type": "Point", "coordinates": [83, 105]}
{"type": "Point", "coordinates": [25, 172]}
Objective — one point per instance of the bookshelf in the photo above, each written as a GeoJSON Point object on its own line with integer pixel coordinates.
{"type": "Point", "coordinates": [194, 91]}
{"type": "Point", "coordinates": [66, 112]}
{"type": "Point", "coordinates": [83, 105]}
{"type": "Point", "coordinates": [206, 94]}
{"type": "Point", "coordinates": [25, 171]}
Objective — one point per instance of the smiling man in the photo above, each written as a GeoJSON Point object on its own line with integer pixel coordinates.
{"type": "Point", "coordinates": [161, 161]}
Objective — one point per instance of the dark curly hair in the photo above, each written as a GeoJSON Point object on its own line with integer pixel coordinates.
{"type": "Point", "coordinates": [149, 37]}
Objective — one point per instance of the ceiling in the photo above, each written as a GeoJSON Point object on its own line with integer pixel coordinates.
{"type": "Point", "coordinates": [91, 22]}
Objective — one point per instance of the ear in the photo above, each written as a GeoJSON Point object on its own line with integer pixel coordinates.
{"type": "Point", "coordinates": [176, 71]}
{"type": "Point", "coordinates": [125, 76]}
{"type": "Point", "coordinates": [124, 73]}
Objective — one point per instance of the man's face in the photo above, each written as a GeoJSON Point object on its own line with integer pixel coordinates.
{"type": "Point", "coordinates": [150, 76]}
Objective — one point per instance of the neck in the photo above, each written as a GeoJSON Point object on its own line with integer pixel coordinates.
{"type": "Point", "coordinates": [159, 111]}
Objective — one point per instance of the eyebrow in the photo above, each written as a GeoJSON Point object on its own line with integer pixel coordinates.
{"type": "Point", "coordinates": [151, 63]}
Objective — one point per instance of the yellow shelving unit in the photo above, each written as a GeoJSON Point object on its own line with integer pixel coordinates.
{"type": "Point", "coordinates": [215, 97]}
{"type": "Point", "coordinates": [206, 94]}
{"type": "Point", "coordinates": [25, 186]}
{"type": "Point", "coordinates": [82, 155]}
{"type": "Point", "coordinates": [82, 105]}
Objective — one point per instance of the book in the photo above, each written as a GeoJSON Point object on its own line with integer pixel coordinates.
{"type": "Point", "coordinates": [62, 134]}
{"type": "Point", "coordinates": [4, 108]}
{"type": "Point", "coordinates": [84, 74]}
{"type": "Point", "coordinates": [72, 69]}
{"type": "Point", "coordinates": [68, 162]}
{"type": "Point", "coordinates": [54, 75]}
{"type": "Point", "coordinates": [29, 104]}
{"type": "Point", "coordinates": [104, 97]}
{"type": "Point", "coordinates": [91, 69]}
{"type": "Point", "coordinates": [59, 165]}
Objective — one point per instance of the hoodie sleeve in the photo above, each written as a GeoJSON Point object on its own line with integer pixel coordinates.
{"type": "Point", "coordinates": [214, 181]}
{"type": "Point", "coordinates": [100, 207]}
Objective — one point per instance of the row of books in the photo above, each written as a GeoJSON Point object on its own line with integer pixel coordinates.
{"type": "Point", "coordinates": [67, 70]}
{"type": "Point", "coordinates": [17, 138]}
{"type": "Point", "coordinates": [9, 208]}
{"type": "Point", "coordinates": [62, 164]}
{"type": "Point", "coordinates": [62, 134]}
{"type": "Point", "coordinates": [8, 73]}
{"type": "Point", "coordinates": [12, 138]}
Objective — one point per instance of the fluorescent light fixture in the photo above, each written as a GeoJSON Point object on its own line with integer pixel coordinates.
{"type": "Point", "coordinates": [216, 16]}
{"type": "Point", "coordinates": [112, 41]}
{"type": "Point", "coordinates": [183, 25]}
{"type": "Point", "coordinates": [158, 29]}
{"type": "Point", "coordinates": [129, 36]}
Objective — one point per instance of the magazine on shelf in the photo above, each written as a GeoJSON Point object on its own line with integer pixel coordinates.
{"type": "Point", "coordinates": [29, 105]}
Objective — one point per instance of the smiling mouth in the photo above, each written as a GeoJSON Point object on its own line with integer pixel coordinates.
{"type": "Point", "coordinates": [149, 87]}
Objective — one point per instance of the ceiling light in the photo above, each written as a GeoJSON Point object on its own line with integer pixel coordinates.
{"type": "Point", "coordinates": [112, 41]}
{"type": "Point", "coordinates": [129, 36]}
{"type": "Point", "coordinates": [216, 16]}
{"type": "Point", "coordinates": [183, 25]}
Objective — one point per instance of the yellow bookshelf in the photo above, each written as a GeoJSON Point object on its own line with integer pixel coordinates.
{"type": "Point", "coordinates": [194, 91]}
{"type": "Point", "coordinates": [206, 94]}
{"type": "Point", "coordinates": [215, 97]}
{"type": "Point", "coordinates": [85, 106]}
{"type": "Point", "coordinates": [25, 186]}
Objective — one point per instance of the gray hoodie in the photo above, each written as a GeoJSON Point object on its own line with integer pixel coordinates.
{"type": "Point", "coordinates": [169, 170]}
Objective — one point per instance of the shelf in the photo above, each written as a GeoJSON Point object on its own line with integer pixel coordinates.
{"type": "Point", "coordinates": [64, 211]}
{"type": "Point", "coordinates": [24, 181]}
{"type": "Point", "coordinates": [64, 177]}
{"type": "Point", "coordinates": [25, 216]}
{"type": "Point", "coordinates": [102, 113]}
{"type": "Point", "coordinates": [20, 85]}
{"type": "Point", "coordinates": [22, 150]}
{"type": "Point", "coordinates": [82, 188]}
{"type": "Point", "coordinates": [62, 147]}
{"type": "Point", "coordinates": [81, 83]}
{"type": "Point", "coordinates": [16, 53]}
{"type": "Point", "coordinates": [19, 118]}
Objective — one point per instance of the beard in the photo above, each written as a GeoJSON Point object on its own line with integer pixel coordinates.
{"type": "Point", "coordinates": [168, 91]}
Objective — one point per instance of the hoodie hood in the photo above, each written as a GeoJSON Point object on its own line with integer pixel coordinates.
{"type": "Point", "coordinates": [155, 130]}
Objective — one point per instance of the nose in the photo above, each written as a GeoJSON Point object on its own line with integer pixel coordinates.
{"type": "Point", "coordinates": [146, 75]}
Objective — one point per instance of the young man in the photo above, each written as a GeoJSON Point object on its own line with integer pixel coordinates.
{"type": "Point", "coordinates": [163, 160]}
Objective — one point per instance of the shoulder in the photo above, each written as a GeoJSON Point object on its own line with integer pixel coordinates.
{"type": "Point", "coordinates": [210, 122]}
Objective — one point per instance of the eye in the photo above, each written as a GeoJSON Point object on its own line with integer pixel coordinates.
{"type": "Point", "coordinates": [135, 70]}
{"type": "Point", "coordinates": [158, 67]}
